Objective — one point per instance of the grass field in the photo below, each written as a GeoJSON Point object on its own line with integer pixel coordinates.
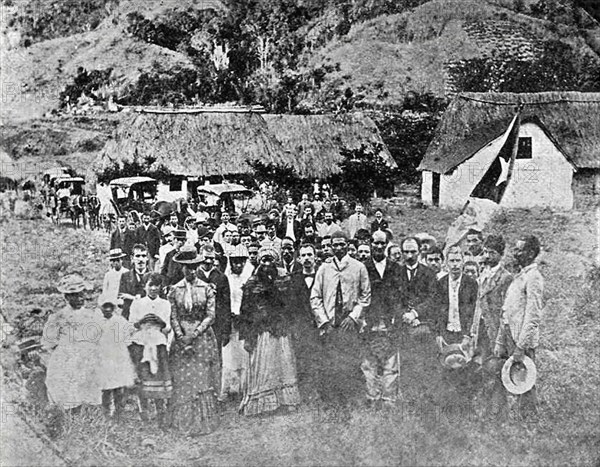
{"type": "Point", "coordinates": [35, 254]}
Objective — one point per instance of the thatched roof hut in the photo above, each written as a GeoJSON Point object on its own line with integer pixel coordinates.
{"type": "Point", "coordinates": [196, 144]}
{"type": "Point", "coordinates": [557, 148]}
{"type": "Point", "coordinates": [221, 142]}
{"type": "Point", "coordinates": [572, 119]}
{"type": "Point", "coordinates": [313, 143]}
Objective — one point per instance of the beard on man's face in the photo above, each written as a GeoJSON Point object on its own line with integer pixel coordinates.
{"type": "Point", "coordinates": [267, 273]}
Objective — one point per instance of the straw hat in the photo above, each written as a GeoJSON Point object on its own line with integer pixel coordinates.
{"type": "Point", "coordinates": [518, 379]}
{"type": "Point", "coordinates": [240, 251]}
{"type": "Point", "coordinates": [187, 255]}
{"type": "Point", "coordinates": [72, 283]}
{"type": "Point", "coordinates": [116, 253]}
{"type": "Point", "coordinates": [451, 356]}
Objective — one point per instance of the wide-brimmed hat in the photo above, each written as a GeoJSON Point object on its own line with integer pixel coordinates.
{"type": "Point", "coordinates": [72, 283]}
{"type": "Point", "coordinates": [168, 230]}
{"type": "Point", "coordinates": [203, 231]}
{"type": "Point", "coordinates": [261, 228]}
{"type": "Point", "coordinates": [116, 253]}
{"type": "Point", "coordinates": [518, 379]}
{"type": "Point", "coordinates": [187, 255]}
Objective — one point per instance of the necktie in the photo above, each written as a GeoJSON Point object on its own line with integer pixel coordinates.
{"type": "Point", "coordinates": [339, 305]}
{"type": "Point", "coordinates": [411, 274]}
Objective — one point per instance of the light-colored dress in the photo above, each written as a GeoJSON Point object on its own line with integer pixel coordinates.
{"type": "Point", "coordinates": [72, 377]}
{"type": "Point", "coordinates": [234, 356]}
{"type": "Point", "coordinates": [115, 368]}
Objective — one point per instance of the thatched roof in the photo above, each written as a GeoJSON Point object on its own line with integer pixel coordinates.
{"type": "Point", "coordinates": [314, 142]}
{"type": "Point", "coordinates": [198, 144]}
{"type": "Point", "coordinates": [570, 119]}
{"type": "Point", "coordinates": [221, 143]}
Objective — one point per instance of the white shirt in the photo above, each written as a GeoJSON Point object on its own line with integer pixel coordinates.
{"type": "Point", "coordinates": [380, 266]}
{"type": "Point", "coordinates": [453, 313]}
{"type": "Point", "coordinates": [411, 270]}
{"type": "Point", "coordinates": [112, 281]}
{"type": "Point", "coordinates": [289, 229]}
{"type": "Point", "coordinates": [236, 282]}
{"type": "Point", "coordinates": [146, 306]}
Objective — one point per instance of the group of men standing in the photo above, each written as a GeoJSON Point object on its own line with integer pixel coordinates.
{"type": "Point", "coordinates": [369, 324]}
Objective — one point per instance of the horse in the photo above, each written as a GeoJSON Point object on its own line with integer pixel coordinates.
{"type": "Point", "coordinates": [92, 208]}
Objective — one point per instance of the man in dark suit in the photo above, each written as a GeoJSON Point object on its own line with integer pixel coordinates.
{"type": "Point", "coordinates": [417, 290]}
{"type": "Point", "coordinates": [290, 226]}
{"type": "Point", "coordinates": [172, 271]}
{"type": "Point", "coordinates": [116, 238]}
{"type": "Point", "coordinates": [379, 223]}
{"type": "Point", "coordinates": [305, 335]}
{"type": "Point", "coordinates": [133, 282]}
{"type": "Point", "coordinates": [207, 272]}
{"type": "Point", "coordinates": [381, 364]}
{"type": "Point", "coordinates": [149, 235]}
{"type": "Point", "coordinates": [288, 256]}
{"type": "Point", "coordinates": [453, 317]}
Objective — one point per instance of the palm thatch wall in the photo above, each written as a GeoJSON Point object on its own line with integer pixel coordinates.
{"type": "Point", "coordinates": [197, 144]}
{"type": "Point", "coordinates": [222, 143]}
{"type": "Point", "coordinates": [571, 120]}
{"type": "Point", "coordinates": [313, 143]}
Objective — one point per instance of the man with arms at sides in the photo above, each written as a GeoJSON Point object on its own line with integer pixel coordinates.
{"type": "Point", "coordinates": [339, 296]}
{"type": "Point", "coordinates": [117, 237]}
{"type": "Point", "coordinates": [209, 273]}
{"type": "Point", "coordinates": [290, 226]}
{"type": "Point", "coordinates": [305, 335]}
{"type": "Point", "coordinates": [112, 279]}
{"type": "Point", "coordinates": [149, 235]}
{"type": "Point", "coordinates": [493, 285]}
{"type": "Point", "coordinates": [519, 332]}
{"type": "Point", "coordinates": [381, 365]}
{"type": "Point", "coordinates": [357, 221]}
{"type": "Point", "coordinates": [288, 256]}
{"type": "Point", "coordinates": [133, 282]}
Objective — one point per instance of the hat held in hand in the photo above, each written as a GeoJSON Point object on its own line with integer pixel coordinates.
{"type": "Point", "coordinates": [518, 378]}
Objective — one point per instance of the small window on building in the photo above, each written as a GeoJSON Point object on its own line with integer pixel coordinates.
{"type": "Point", "coordinates": [524, 151]}
{"type": "Point", "coordinates": [175, 184]}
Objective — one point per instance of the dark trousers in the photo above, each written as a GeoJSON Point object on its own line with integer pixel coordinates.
{"type": "Point", "coordinates": [340, 378]}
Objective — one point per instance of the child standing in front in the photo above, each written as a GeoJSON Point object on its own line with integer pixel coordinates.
{"type": "Point", "coordinates": [116, 369]}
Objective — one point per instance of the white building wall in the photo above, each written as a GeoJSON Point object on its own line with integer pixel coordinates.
{"type": "Point", "coordinates": [544, 180]}
{"type": "Point", "coordinates": [456, 187]}
{"type": "Point", "coordinates": [427, 188]}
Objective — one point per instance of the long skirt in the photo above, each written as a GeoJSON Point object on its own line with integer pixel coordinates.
{"type": "Point", "coordinates": [271, 382]}
{"type": "Point", "coordinates": [195, 371]}
{"type": "Point", "coordinates": [235, 365]}
{"type": "Point", "coordinates": [152, 385]}
{"type": "Point", "coordinates": [72, 375]}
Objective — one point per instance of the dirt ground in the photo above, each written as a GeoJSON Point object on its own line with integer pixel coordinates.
{"type": "Point", "coordinates": [35, 254]}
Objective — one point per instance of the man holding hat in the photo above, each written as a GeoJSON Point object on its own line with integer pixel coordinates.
{"type": "Point", "coordinates": [519, 332]}
{"type": "Point", "coordinates": [112, 279]}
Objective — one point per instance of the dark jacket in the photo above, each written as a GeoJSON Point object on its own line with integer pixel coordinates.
{"type": "Point", "coordinates": [149, 237]}
{"type": "Point", "coordinates": [129, 239]}
{"type": "Point", "coordinates": [376, 225]}
{"type": "Point", "coordinates": [222, 324]}
{"type": "Point", "coordinates": [467, 298]}
{"type": "Point", "coordinates": [419, 292]}
{"type": "Point", "coordinates": [385, 294]}
{"type": "Point", "coordinates": [171, 271]}
{"type": "Point", "coordinates": [298, 229]}
{"type": "Point", "coordinates": [264, 309]}
{"type": "Point", "coordinates": [134, 285]}
{"type": "Point", "coordinates": [299, 300]}
{"type": "Point", "coordinates": [294, 267]}
{"type": "Point", "coordinates": [117, 239]}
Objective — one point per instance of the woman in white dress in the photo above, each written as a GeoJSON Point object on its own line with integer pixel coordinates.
{"type": "Point", "coordinates": [72, 335]}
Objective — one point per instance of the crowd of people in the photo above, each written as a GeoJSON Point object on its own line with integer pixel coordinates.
{"type": "Point", "coordinates": [270, 310]}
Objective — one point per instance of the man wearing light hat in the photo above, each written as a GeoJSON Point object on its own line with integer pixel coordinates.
{"type": "Point", "coordinates": [519, 333]}
{"type": "Point", "coordinates": [112, 279]}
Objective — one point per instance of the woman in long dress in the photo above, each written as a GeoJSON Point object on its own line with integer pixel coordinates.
{"type": "Point", "coordinates": [72, 335]}
{"type": "Point", "coordinates": [271, 381]}
{"type": "Point", "coordinates": [194, 359]}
